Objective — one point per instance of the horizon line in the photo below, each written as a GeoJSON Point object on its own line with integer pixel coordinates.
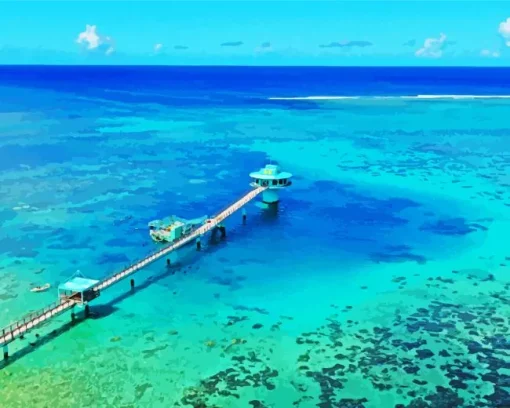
{"type": "Point", "coordinates": [254, 66]}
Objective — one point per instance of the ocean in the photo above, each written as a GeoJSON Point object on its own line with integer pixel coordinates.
{"type": "Point", "coordinates": [379, 280]}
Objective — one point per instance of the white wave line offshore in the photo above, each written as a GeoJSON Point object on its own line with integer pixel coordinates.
{"type": "Point", "coordinates": [332, 98]}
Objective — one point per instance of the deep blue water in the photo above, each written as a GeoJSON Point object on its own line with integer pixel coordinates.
{"type": "Point", "coordinates": [253, 85]}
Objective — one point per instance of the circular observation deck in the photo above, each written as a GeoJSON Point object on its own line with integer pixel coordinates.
{"type": "Point", "coordinates": [271, 177]}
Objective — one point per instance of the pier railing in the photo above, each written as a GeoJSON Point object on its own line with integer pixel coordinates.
{"type": "Point", "coordinates": [212, 222]}
{"type": "Point", "coordinates": [9, 332]}
{"type": "Point", "coordinates": [16, 329]}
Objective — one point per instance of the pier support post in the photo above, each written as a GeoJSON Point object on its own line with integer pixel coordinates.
{"type": "Point", "coordinates": [87, 310]}
{"type": "Point", "coordinates": [168, 263]}
{"type": "Point", "coordinates": [244, 215]}
{"type": "Point", "coordinates": [223, 231]}
{"type": "Point", "coordinates": [199, 244]}
{"type": "Point", "coordinates": [73, 316]}
{"type": "Point", "coordinates": [6, 351]}
{"type": "Point", "coordinates": [132, 283]}
{"type": "Point", "coordinates": [270, 197]}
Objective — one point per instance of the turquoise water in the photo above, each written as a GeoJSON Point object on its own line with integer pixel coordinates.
{"type": "Point", "coordinates": [381, 280]}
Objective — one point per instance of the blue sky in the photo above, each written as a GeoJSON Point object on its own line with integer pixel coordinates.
{"type": "Point", "coordinates": [255, 32]}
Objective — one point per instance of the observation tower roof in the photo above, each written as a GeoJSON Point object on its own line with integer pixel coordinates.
{"type": "Point", "coordinates": [270, 172]}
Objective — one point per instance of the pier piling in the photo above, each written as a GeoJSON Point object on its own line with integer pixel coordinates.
{"type": "Point", "coordinates": [132, 283]}
{"type": "Point", "coordinates": [223, 231]}
{"type": "Point", "coordinates": [244, 216]}
{"type": "Point", "coordinates": [168, 263]}
{"type": "Point", "coordinates": [90, 289]}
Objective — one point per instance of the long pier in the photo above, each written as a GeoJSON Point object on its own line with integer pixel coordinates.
{"type": "Point", "coordinates": [19, 328]}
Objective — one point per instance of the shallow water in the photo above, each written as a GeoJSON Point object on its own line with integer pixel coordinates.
{"type": "Point", "coordinates": [380, 279]}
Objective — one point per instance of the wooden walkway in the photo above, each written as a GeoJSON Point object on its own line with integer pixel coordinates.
{"type": "Point", "coordinates": [19, 328]}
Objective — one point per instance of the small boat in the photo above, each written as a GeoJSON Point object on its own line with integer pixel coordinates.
{"type": "Point", "coordinates": [42, 288]}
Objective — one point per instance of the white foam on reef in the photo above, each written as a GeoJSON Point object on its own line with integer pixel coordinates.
{"type": "Point", "coordinates": [332, 98]}
{"type": "Point", "coordinates": [459, 97]}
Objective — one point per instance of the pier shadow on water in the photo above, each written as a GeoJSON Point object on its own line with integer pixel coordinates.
{"type": "Point", "coordinates": [96, 312]}
{"type": "Point", "coordinates": [31, 346]}
{"type": "Point", "coordinates": [99, 311]}
{"type": "Point", "coordinates": [103, 310]}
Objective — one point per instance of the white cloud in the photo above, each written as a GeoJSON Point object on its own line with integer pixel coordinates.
{"type": "Point", "coordinates": [432, 47]}
{"type": "Point", "coordinates": [95, 42]}
{"type": "Point", "coordinates": [490, 54]}
{"type": "Point", "coordinates": [157, 47]}
{"type": "Point", "coordinates": [89, 36]}
{"type": "Point", "coordinates": [504, 31]}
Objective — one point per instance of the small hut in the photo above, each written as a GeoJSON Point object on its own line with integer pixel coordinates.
{"type": "Point", "coordinates": [78, 288]}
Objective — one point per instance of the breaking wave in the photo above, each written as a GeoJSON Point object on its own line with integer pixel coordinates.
{"type": "Point", "coordinates": [332, 98]}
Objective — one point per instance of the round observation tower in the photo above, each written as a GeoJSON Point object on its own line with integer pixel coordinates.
{"type": "Point", "coordinates": [272, 178]}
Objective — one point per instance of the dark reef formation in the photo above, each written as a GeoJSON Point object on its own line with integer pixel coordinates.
{"type": "Point", "coordinates": [444, 344]}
